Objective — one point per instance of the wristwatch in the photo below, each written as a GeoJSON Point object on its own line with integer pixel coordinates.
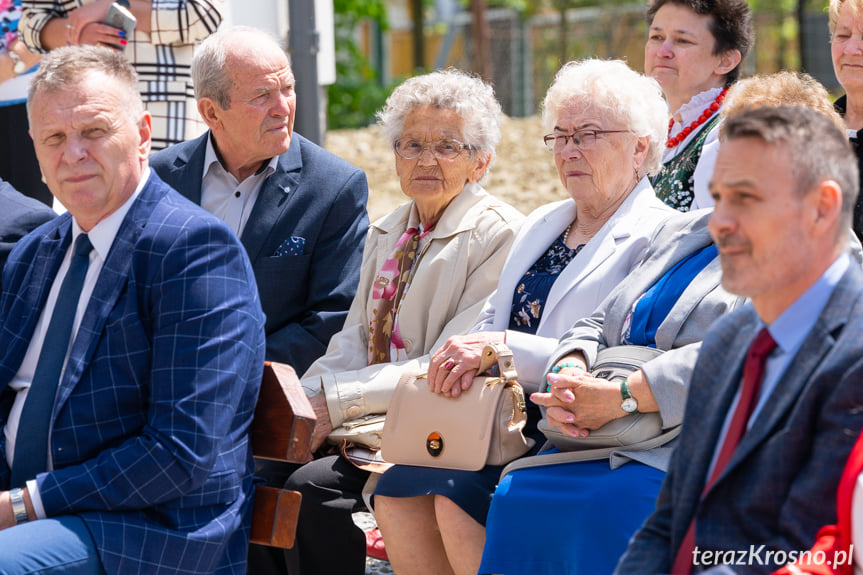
{"type": "Point", "coordinates": [19, 509]}
{"type": "Point", "coordinates": [629, 404]}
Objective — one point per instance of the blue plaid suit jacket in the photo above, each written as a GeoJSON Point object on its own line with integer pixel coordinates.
{"type": "Point", "coordinates": [150, 426]}
{"type": "Point", "coordinates": [780, 485]}
{"type": "Point", "coordinates": [313, 195]}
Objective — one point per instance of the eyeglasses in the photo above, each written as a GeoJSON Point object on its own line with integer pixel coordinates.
{"type": "Point", "coordinates": [447, 149]}
{"type": "Point", "coordinates": [582, 139]}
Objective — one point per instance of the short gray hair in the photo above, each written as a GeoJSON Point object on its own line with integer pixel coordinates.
{"type": "Point", "coordinates": [817, 149]}
{"type": "Point", "coordinates": [210, 74]}
{"type": "Point", "coordinates": [611, 87]}
{"type": "Point", "coordinates": [466, 95]}
{"type": "Point", "coordinates": [64, 67]}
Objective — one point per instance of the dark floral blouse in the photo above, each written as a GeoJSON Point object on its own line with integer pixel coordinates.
{"type": "Point", "coordinates": [532, 291]}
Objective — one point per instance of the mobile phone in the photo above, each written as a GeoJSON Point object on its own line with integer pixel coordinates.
{"type": "Point", "coordinates": [120, 17]}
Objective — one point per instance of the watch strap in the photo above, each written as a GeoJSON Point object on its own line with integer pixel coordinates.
{"type": "Point", "coordinates": [624, 389]}
{"type": "Point", "coordinates": [19, 508]}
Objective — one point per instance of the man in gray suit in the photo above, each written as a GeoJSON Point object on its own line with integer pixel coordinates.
{"type": "Point", "coordinates": [775, 396]}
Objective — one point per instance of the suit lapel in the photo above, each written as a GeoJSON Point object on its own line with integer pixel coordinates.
{"type": "Point", "coordinates": [273, 200]}
{"type": "Point", "coordinates": [696, 291]}
{"type": "Point", "coordinates": [190, 165]}
{"type": "Point", "coordinates": [109, 286]}
{"type": "Point", "coordinates": [29, 304]}
{"type": "Point", "coordinates": [712, 399]}
{"type": "Point", "coordinates": [594, 255]}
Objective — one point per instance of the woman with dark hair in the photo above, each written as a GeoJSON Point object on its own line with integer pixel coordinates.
{"type": "Point", "coordinates": [694, 50]}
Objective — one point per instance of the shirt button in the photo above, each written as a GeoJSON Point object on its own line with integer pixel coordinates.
{"type": "Point", "coordinates": [353, 411]}
{"type": "Point", "coordinates": [237, 194]}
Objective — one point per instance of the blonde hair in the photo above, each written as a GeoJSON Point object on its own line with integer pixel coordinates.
{"type": "Point", "coordinates": [833, 11]}
{"type": "Point", "coordinates": [780, 89]}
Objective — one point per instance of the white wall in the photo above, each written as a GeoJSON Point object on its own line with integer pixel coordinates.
{"type": "Point", "coordinates": [272, 15]}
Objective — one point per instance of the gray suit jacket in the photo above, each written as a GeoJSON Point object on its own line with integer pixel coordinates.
{"type": "Point", "coordinates": [780, 485]}
{"type": "Point", "coordinates": [701, 303]}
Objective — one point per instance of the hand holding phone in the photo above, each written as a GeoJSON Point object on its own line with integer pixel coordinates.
{"type": "Point", "coordinates": [120, 17]}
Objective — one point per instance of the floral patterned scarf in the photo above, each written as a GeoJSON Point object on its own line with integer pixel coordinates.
{"type": "Point", "coordinates": [388, 290]}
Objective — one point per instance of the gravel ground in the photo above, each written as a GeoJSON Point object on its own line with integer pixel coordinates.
{"type": "Point", "coordinates": [522, 173]}
{"type": "Point", "coordinates": [366, 522]}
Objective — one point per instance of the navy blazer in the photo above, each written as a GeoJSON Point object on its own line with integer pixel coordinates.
{"type": "Point", "coordinates": [779, 486]}
{"type": "Point", "coordinates": [313, 195]}
{"type": "Point", "coordinates": [19, 216]}
{"type": "Point", "coordinates": [149, 437]}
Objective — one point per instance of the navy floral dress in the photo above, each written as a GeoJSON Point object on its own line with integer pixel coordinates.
{"type": "Point", "coordinates": [532, 291]}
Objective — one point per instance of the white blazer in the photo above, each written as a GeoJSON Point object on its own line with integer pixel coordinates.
{"type": "Point", "coordinates": [618, 247]}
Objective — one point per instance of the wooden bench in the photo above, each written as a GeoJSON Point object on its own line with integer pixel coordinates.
{"type": "Point", "coordinates": [281, 430]}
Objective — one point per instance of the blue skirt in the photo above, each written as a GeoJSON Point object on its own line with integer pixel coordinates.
{"type": "Point", "coordinates": [573, 518]}
{"type": "Point", "coordinates": [470, 490]}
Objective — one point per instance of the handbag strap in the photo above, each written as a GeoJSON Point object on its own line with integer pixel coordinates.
{"type": "Point", "coordinates": [589, 454]}
{"type": "Point", "coordinates": [499, 353]}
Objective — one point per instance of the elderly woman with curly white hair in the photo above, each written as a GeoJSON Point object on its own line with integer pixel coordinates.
{"type": "Point", "coordinates": [607, 127]}
{"type": "Point", "coordinates": [428, 267]}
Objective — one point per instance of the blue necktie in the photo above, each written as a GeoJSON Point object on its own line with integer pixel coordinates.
{"type": "Point", "coordinates": [31, 442]}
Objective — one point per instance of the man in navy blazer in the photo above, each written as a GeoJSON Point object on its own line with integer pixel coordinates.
{"type": "Point", "coordinates": [785, 185]}
{"type": "Point", "coordinates": [299, 210]}
{"type": "Point", "coordinates": [146, 465]}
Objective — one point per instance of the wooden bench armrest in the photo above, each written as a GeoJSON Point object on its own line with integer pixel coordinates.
{"type": "Point", "coordinates": [274, 520]}
{"type": "Point", "coordinates": [284, 420]}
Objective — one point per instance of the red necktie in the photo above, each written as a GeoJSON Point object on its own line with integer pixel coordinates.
{"type": "Point", "coordinates": [753, 373]}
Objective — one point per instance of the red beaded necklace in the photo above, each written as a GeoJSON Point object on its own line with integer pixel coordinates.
{"type": "Point", "coordinates": [705, 115]}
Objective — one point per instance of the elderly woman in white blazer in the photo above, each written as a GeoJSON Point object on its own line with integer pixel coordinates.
{"type": "Point", "coordinates": [607, 128]}
{"type": "Point", "coordinates": [677, 291]}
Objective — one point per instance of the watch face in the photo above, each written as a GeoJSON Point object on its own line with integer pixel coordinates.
{"type": "Point", "coordinates": [629, 405]}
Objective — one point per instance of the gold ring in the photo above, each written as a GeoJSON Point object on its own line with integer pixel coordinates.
{"type": "Point", "coordinates": [448, 364]}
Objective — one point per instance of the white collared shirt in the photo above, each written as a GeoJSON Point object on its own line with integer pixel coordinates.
{"type": "Point", "coordinates": [102, 237]}
{"type": "Point", "coordinates": [226, 198]}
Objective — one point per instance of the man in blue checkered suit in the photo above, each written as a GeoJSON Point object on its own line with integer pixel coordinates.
{"type": "Point", "coordinates": [146, 466]}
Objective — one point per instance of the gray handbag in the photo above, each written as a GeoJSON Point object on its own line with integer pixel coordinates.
{"type": "Point", "coordinates": [633, 432]}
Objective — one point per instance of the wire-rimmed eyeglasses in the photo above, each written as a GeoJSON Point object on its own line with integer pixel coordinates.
{"type": "Point", "coordinates": [582, 139]}
{"type": "Point", "coordinates": [446, 149]}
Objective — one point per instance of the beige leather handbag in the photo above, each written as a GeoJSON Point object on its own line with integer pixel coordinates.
{"type": "Point", "coordinates": [482, 426]}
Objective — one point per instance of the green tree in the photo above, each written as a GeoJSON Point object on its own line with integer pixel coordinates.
{"type": "Point", "coordinates": [358, 92]}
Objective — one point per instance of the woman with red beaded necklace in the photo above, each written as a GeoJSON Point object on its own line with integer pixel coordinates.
{"type": "Point", "coordinates": [694, 50]}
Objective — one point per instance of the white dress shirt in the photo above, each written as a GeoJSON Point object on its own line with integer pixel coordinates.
{"type": "Point", "coordinates": [102, 237]}
{"type": "Point", "coordinates": [226, 198]}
